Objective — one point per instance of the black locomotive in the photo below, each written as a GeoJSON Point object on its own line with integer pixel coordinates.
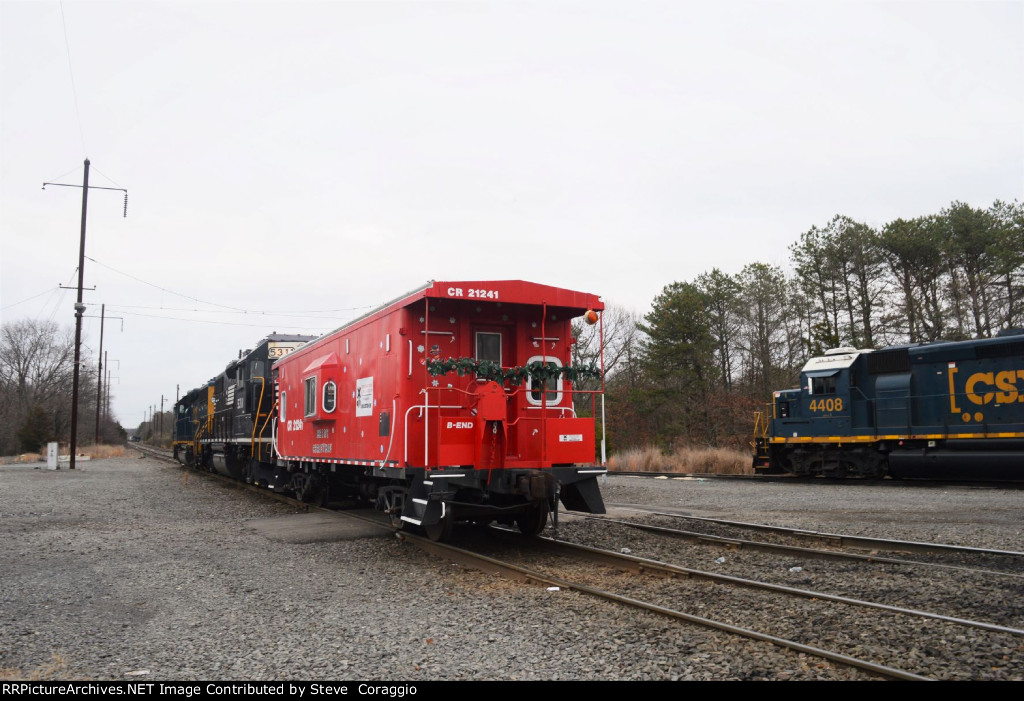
{"type": "Point", "coordinates": [952, 410]}
{"type": "Point", "coordinates": [226, 424]}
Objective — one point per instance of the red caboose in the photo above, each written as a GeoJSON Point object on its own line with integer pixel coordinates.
{"type": "Point", "coordinates": [453, 402]}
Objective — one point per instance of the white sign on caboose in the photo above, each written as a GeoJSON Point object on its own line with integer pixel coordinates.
{"type": "Point", "coordinates": [364, 396]}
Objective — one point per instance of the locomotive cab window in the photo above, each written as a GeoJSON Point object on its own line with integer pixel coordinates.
{"type": "Point", "coordinates": [284, 406]}
{"type": "Point", "coordinates": [823, 384]}
{"type": "Point", "coordinates": [330, 397]}
{"type": "Point", "coordinates": [310, 398]}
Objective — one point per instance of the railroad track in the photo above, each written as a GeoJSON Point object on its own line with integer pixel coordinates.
{"type": "Point", "coordinates": [892, 641]}
{"type": "Point", "coordinates": [805, 480]}
{"type": "Point", "coordinates": [731, 534]}
{"type": "Point", "coordinates": [582, 580]}
{"type": "Point", "coordinates": [952, 581]}
{"type": "Point", "coordinates": [881, 639]}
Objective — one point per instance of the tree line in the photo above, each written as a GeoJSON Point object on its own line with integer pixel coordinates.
{"type": "Point", "coordinates": [36, 379]}
{"type": "Point", "coordinates": [709, 353]}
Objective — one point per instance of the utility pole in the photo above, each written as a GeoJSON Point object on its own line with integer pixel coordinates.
{"type": "Point", "coordinates": [99, 380]}
{"type": "Point", "coordinates": [99, 375]}
{"type": "Point", "coordinates": [79, 307]}
{"type": "Point", "coordinates": [106, 398]}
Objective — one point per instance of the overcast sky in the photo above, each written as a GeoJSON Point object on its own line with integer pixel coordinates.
{"type": "Point", "coordinates": [320, 158]}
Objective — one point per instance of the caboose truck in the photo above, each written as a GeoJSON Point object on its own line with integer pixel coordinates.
{"type": "Point", "coordinates": [452, 402]}
{"type": "Point", "coordinates": [938, 410]}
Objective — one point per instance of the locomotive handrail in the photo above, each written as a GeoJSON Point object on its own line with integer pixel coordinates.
{"type": "Point", "coordinates": [252, 445]}
{"type": "Point", "coordinates": [760, 425]}
{"type": "Point", "coordinates": [200, 427]}
{"type": "Point", "coordinates": [760, 433]}
{"type": "Point", "coordinates": [861, 393]}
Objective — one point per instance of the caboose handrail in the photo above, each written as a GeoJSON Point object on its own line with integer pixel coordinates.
{"type": "Point", "coordinates": [405, 428]}
{"type": "Point", "coordinates": [391, 432]}
{"type": "Point", "coordinates": [561, 409]}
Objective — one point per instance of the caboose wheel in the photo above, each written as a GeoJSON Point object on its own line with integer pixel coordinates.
{"type": "Point", "coordinates": [391, 501]}
{"type": "Point", "coordinates": [306, 489]}
{"type": "Point", "coordinates": [533, 521]}
{"type": "Point", "coordinates": [323, 495]}
{"type": "Point", "coordinates": [442, 530]}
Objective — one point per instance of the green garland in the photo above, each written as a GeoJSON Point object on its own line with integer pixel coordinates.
{"type": "Point", "coordinates": [489, 370]}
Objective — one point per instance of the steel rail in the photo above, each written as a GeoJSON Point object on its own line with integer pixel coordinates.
{"type": "Point", "coordinates": [837, 538]}
{"type": "Point", "coordinates": [522, 574]}
{"type": "Point", "coordinates": [641, 564]}
{"type": "Point", "coordinates": [740, 543]}
{"type": "Point", "coordinates": [881, 483]}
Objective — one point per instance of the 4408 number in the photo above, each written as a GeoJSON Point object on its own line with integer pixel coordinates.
{"type": "Point", "coordinates": [830, 404]}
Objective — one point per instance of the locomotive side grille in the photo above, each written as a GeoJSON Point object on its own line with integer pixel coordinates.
{"type": "Point", "coordinates": [1000, 350]}
{"type": "Point", "coordinates": [880, 362]}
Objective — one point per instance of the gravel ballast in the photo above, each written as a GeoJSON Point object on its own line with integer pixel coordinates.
{"type": "Point", "coordinates": [125, 569]}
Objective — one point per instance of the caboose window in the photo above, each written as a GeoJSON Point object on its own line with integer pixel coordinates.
{"type": "Point", "coordinates": [534, 390]}
{"type": "Point", "coordinates": [284, 406]}
{"type": "Point", "coordinates": [310, 405]}
{"type": "Point", "coordinates": [488, 346]}
{"type": "Point", "coordinates": [330, 394]}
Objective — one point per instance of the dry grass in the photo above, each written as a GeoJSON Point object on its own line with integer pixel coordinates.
{"type": "Point", "coordinates": [54, 669]}
{"type": "Point", "coordinates": [96, 452]}
{"type": "Point", "coordinates": [25, 457]}
{"type": "Point", "coordinates": [708, 461]}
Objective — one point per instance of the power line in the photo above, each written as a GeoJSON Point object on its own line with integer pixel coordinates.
{"type": "Point", "coordinates": [108, 178]}
{"type": "Point", "coordinates": [74, 90]}
{"type": "Point", "coordinates": [65, 174]}
{"type": "Point", "coordinates": [237, 310]}
{"type": "Point", "coordinates": [310, 315]}
{"type": "Point", "coordinates": [213, 321]}
{"type": "Point", "coordinates": [27, 299]}
{"type": "Point", "coordinates": [58, 300]}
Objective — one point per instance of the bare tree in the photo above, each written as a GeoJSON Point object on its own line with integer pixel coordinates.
{"type": "Point", "coordinates": [36, 369]}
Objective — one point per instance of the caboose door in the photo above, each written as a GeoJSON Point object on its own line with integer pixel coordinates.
{"type": "Point", "coordinates": [494, 344]}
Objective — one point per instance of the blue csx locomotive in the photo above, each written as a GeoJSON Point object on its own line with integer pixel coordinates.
{"type": "Point", "coordinates": [950, 410]}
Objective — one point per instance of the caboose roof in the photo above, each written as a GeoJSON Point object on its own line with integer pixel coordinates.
{"type": "Point", "coordinates": [516, 292]}
{"type": "Point", "coordinates": [501, 292]}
